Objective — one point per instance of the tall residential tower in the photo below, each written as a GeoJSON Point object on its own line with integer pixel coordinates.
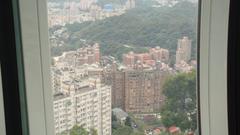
{"type": "Point", "coordinates": [183, 52]}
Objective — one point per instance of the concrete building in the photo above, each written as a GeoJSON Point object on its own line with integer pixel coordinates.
{"type": "Point", "coordinates": [56, 80]}
{"type": "Point", "coordinates": [155, 54]}
{"type": "Point", "coordinates": [62, 76]}
{"type": "Point", "coordinates": [89, 55]}
{"type": "Point", "coordinates": [183, 52]}
{"type": "Point", "coordinates": [96, 12]}
{"type": "Point", "coordinates": [86, 4]}
{"type": "Point", "coordinates": [143, 90]}
{"type": "Point", "coordinates": [118, 87]}
{"type": "Point", "coordinates": [159, 54]}
{"type": "Point", "coordinates": [129, 59]}
{"type": "Point", "coordinates": [184, 67]}
{"type": "Point", "coordinates": [84, 55]}
{"type": "Point", "coordinates": [87, 104]}
{"type": "Point", "coordinates": [138, 90]}
{"type": "Point", "coordinates": [63, 113]}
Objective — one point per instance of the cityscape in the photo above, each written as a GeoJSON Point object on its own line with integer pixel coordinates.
{"type": "Point", "coordinates": [150, 90]}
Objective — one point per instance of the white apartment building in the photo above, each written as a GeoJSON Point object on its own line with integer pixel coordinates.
{"type": "Point", "coordinates": [63, 113]}
{"type": "Point", "coordinates": [60, 77]}
{"type": "Point", "coordinates": [86, 4]}
{"type": "Point", "coordinates": [87, 105]}
{"type": "Point", "coordinates": [183, 52]}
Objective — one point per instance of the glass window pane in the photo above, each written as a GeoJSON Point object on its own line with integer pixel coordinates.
{"type": "Point", "coordinates": [124, 67]}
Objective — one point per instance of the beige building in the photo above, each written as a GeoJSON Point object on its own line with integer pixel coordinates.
{"type": "Point", "coordinates": [159, 54]}
{"type": "Point", "coordinates": [63, 113]}
{"type": "Point", "coordinates": [60, 77]}
{"type": "Point", "coordinates": [184, 67]}
{"type": "Point", "coordinates": [85, 55]}
{"type": "Point", "coordinates": [149, 58]}
{"type": "Point", "coordinates": [86, 4]}
{"type": "Point", "coordinates": [183, 52]}
{"type": "Point", "coordinates": [87, 105]}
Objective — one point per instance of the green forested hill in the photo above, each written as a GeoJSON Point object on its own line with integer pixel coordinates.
{"type": "Point", "coordinates": [138, 29]}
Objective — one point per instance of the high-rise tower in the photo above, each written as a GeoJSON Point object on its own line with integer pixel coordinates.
{"type": "Point", "coordinates": [183, 52]}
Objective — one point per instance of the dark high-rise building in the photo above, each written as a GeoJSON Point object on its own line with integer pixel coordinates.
{"type": "Point", "coordinates": [137, 90]}
{"type": "Point", "coordinates": [118, 94]}
{"type": "Point", "coordinates": [143, 90]}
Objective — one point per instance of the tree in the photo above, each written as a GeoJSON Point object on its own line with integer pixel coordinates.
{"type": "Point", "coordinates": [128, 121]}
{"type": "Point", "coordinates": [124, 130]}
{"type": "Point", "coordinates": [137, 133]}
{"type": "Point", "coordinates": [93, 131]}
{"type": "Point", "coordinates": [114, 117]}
{"type": "Point", "coordinates": [180, 108]}
{"type": "Point", "coordinates": [78, 130]}
{"type": "Point", "coordinates": [115, 125]}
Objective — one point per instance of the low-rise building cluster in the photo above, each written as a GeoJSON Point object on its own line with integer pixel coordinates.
{"type": "Point", "coordinates": [84, 10]}
{"type": "Point", "coordinates": [146, 59]}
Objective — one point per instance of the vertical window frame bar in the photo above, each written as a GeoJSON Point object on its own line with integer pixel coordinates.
{"type": "Point", "coordinates": [36, 54]}
{"type": "Point", "coordinates": [213, 67]}
{"type": "Point", "coordinates": [2, 118]}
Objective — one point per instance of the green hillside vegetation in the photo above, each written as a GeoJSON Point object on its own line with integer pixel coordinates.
{"type": "Point", "coordinates": [139, 29]}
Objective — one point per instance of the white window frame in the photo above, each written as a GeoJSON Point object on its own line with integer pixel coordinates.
{"type": "Point", "coordinates": [213, 66]}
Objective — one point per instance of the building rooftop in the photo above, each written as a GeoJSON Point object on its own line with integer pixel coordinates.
{"type": "Point", "coordinates": [60, 95]}
{"type": "Point", "coordinates": [83, 89]}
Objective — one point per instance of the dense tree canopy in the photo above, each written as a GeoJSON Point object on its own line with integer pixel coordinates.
{"type": "Point", "coordinates": [180, 108]}
{"type": "Point", "coordinates": [128, 121]}
{"type": "Point", "coordinates": [79, 130]}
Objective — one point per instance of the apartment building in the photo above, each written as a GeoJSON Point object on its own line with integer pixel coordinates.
{"type": "Point", "coordinates": [138, 89]}
{"type": "Point", "coordinates": [143, 90]}
{"type": "Point", "coordinates": [183, 52]}
{"type": "Point", "coordinates": [150, 58]}
{"type": "Point", "coordinates": [84, 55]}
{"type": "Point", "coordinates": [87, 105]}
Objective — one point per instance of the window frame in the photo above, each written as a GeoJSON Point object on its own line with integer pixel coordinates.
{"type": "Point", "coordinates": [212, 67]}
{"type": "Point", "coordinates": [2, 117]}
{"type": "Point", "coordinates": [36, 63]}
